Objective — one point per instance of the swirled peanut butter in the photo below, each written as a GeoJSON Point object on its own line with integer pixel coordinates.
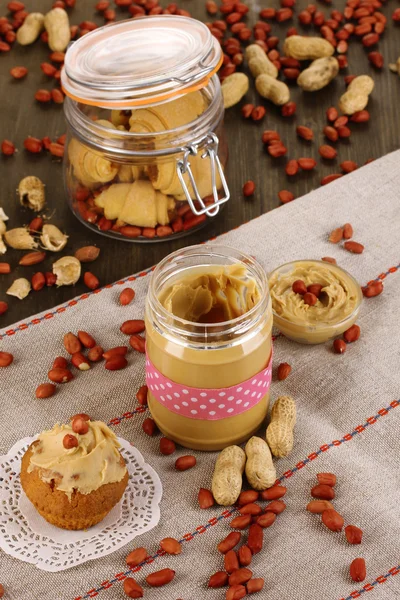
{"type": "Point", "coordinates": [215, 295]}
{"type": "Point", "coordinates": [335, 310]}
{"type": "Point", "coordinates": [338, 299]}
{"type": "Point", "coordinates": [94, 462]}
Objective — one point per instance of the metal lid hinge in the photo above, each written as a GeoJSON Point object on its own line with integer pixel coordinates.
{"type": "Point", "coordinates": [183, 167]}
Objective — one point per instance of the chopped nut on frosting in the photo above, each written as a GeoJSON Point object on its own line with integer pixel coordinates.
{"type": "Point", "coordinates": [93, 462]}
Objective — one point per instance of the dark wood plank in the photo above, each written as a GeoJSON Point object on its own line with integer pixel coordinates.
{"type": "Point", "coordinates": [22, 116]}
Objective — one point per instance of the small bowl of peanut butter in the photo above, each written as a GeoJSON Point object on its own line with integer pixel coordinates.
{"type": "Point", "coordinates": [313, 301]}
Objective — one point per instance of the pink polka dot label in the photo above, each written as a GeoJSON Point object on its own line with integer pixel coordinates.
{"type": "Point", "coordinates": [207, 404]}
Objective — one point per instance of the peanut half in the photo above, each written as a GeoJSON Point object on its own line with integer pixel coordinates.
{"type": "Point", "coordinates": [248, 497]}
{"type": "Point", "coordinates": [205, 498]}
{"type": "Point", "coordinates": [319, 506]}
{"type": "Point", "coordinates": [228, 543]}
{"type": "Point", "coordinates": [160, 578]}
{"type": "Point", "coordinates": [231, 562]}
{"type": "Point", "coordinates": [353, 534]}
{"type": "Point", "coordinates": [274, 493]}
{"type": "Point", "coordinates": [132, 589]}
{"type": "Point", "coordinates": [6, 359]}
{"type": "Point", "coordinates": [136, 557]}
{"type": "Point", "coordinates": [171, 546]}
{"type": "Point", "coordinates": [87, 253]}
{"type": "Point", "coordinates": [358, 569]}
{"type": "Point", "coordinates": [218, 580]}
{"type": "Point", "coordinates": [332, 520]}
{"type": "Point", "coordinates": [255, 538]}
{"type": "Point", "coordinates": [319, 74]}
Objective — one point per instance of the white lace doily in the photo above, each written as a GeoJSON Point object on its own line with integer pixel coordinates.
{"type": "Point", "coordinates": [24, 534]}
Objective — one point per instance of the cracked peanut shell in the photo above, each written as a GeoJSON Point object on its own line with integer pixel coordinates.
{"type": "Point", "coordinates": [20, 288]}
{"type": "Point", "coordinates": [52, 238]}
{"type": "Point", "coordinates": [20, 239]}
{"type": "Point", "coordinates": [67, 270]}
{"type": "Point", "coordinates": [31, 193]}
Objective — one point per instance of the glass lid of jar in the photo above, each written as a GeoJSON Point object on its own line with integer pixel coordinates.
{"type": "Point", "coordinates": [140, 62]}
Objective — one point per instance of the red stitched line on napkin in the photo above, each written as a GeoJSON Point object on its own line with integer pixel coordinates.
{"type": "Point", "coordinates": [369, 587]}
{"type": "Point", "coordinates": [127, 415]}
{"type": "Point", "coordinates": [187, 537]}
{"type": "Point", "coordinates": [61, 309]}
{"type": "Point", "coordinates": [382, 412]}
{"type": "Point", "coordinates": [72, 303]}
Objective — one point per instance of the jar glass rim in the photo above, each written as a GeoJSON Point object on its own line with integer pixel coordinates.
{"type": "Point", "coordinates": [209, 331]}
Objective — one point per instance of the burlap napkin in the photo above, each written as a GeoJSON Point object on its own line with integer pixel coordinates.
{"type": "Point", "coordinates": [348, 417]}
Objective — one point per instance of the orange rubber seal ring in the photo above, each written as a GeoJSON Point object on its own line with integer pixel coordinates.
{"type": "Point", "coordinates": [145, 101]}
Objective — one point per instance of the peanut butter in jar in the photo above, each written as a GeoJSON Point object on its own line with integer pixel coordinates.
{"type": "Point", "coordinates": [209, 346]}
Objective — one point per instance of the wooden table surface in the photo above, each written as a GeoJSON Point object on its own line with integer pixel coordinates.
{"type": "Point", "coordinates": [22, 116]}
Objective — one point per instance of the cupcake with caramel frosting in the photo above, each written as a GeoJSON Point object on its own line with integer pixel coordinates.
{"type": "Point", "coordinates": [74, 474]}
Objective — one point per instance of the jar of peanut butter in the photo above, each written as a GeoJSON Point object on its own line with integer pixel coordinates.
{"type": "Point", "coordinates": [209, 346]}
{"type": "Point", "coordinates": [145, 152]}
